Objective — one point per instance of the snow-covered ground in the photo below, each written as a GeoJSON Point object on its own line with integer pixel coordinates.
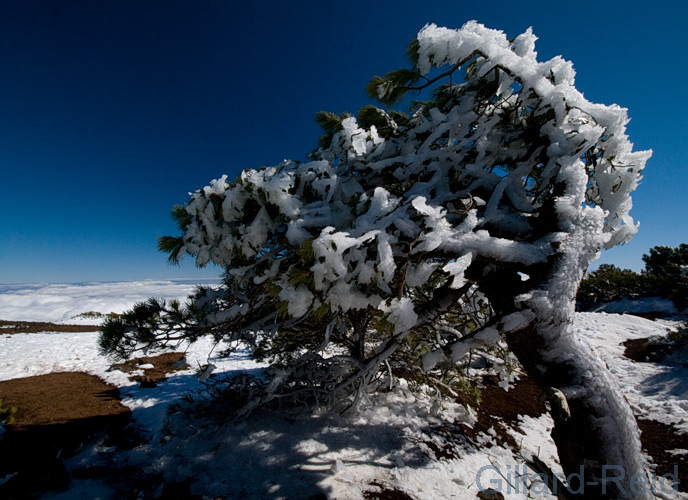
{"type": "Point", "coordinates": [275, 455]}
{"type": "Point", "coordinates": [655, 391]}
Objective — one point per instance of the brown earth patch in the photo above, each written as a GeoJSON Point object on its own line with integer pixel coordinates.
{"type": "Point", "coordinates": [56, 414]}
{"type": "Point", "coordinates": [59, 398]}
{"type": "Point", "coordinates": [653, 349]}
{"type": "Point", "coordinates": [163, 365]}
{"type": "Point", "coordinates": [658, 439]}
{"type": "Point", "coordinates": [652, 315]}
{"type": "Point", "coordinates": [11, 327]}
{"type": "Point", "coordinates": [499, 410]}
{"type": "Point", "coordinates": [647, 350]}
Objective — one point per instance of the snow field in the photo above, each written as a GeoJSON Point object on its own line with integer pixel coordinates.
{"type": "Point", "coordinates": [279, 455]}
{"type": "Point", "coordinates": [655, 391]}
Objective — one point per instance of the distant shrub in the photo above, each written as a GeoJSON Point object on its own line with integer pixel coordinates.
{"type": "Point", "coordinates": [679, 337]}
{"type": "Point", "coordinates": [96, 315]}
{"type": "Point", "coordinates": [665, 275]}
{"type": "Point", "coordinates": [7, 413]}
{"type": "Point", "coordinates": [609, 283]}
{"type": "Point", "coordinates": [668, 267]}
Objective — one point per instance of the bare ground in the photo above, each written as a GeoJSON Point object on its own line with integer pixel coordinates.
{"type": "Point", "coordinates": [56, 414]}
{"type": "Point", "coordinates": [59, 412]}
{"type": "Point", "coordinates": [10, 327]}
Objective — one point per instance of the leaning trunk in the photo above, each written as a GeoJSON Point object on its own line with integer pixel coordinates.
{"type": "Point", "coordinates": [599, 440]}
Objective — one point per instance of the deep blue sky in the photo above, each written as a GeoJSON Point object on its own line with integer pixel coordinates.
{"type": "Point", "coordinates": [112, 111]}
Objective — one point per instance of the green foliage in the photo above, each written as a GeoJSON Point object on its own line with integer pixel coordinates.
{"type": "Point", "coordinates": [140, 326]}
{"type": "Point", "coordinates": [96, 315]}
{"type": "Point", "coordinates": [467, 392]}
{"type": "Point", "coordinates": [679, 337]}
{"type": "Point", "coordinates": [7, 413]}
{"type": "Point", "coordinates": [665, 275]}
{"type": "Point", "coordinates": [394, 86]}
{"type": "Point", "coordinates": [331, 123]}
{"type": "Point", "coordinates": [181, 216]}
{"type": "Point", "coordinates": [609, 283]}
{"type": "Point", "coordinates": [370, 116]}
{"type": "Point", "coordinates": [173, 245]}
{"type": "Point", "coordinates": [667, 260]}
{"type": "Point", "coordinates": [669, 267]}
{"type": "Point", "coordinates": [412, 52]}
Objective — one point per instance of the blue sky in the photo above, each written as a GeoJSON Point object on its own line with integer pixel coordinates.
{"type": "Point", "coordinates": [111, 112]}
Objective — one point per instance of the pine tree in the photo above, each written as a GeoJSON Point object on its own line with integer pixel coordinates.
{"type": "Point", "coordinates": [668, 268]}
{"type": "Point", "coordinates": [498, 189]}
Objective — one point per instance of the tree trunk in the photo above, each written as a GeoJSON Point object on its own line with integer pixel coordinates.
{"type": "Point", "coordinates": [599, 442]}
{"type": "Point", "coordinates": [600, 438]}
{"type": "Point", "coordinates": [359, 321]}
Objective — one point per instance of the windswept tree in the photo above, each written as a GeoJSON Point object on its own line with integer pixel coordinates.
{"type": "Point", "coordinates": [470, 220]}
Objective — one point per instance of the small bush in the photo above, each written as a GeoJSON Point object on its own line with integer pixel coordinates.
{"type": "Point", "coordinates": [609, 283]}
{"type": "Point", "coordinates": [665, 275]}
{"type": "Point", "coordinates": [468, 391]}
{"type": "Point", "coordinates": [669, 267]}
{"type": "Point", "coordinates": [679, 337]}
{"type": "Point", "coordinates": [659, 349]}
{"type": "Point", "coordinates": [7, 413]}
{"type": "Point", "coordinates": [96, 315]}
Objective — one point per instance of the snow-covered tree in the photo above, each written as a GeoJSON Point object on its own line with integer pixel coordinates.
{"type": "Point", "coordinates": [469, 221]}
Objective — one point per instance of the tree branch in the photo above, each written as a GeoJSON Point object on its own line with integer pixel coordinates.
{"type": "Point", "coordinates": [446, 73]}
